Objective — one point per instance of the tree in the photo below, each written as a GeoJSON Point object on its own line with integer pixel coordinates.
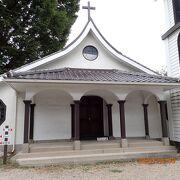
{"type": "Point", "coordinates": [31, 29]}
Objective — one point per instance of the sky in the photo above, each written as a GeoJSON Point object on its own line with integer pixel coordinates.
{"type": "Point", "coordinates": [133, 27]}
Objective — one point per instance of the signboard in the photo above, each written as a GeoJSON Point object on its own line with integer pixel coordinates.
{"type": "Point", "coordinates": [6, 136]}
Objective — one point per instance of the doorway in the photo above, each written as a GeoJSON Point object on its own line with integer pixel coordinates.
{"type": "Point", "coordinates": [91, 118]}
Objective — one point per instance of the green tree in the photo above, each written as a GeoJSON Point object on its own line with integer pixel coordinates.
{"type": "Point", "coordinates": [31, 29]}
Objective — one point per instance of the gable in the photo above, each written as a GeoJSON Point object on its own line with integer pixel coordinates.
{"type": "Point", "coordinates": [109, 57]}
{"type": "Point", "coordinates": [75, 58]}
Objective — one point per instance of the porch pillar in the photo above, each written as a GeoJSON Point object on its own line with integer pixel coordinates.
{"type": "Point", "coordinates": [163, 122]}
{"type": "Point", "coordinates": [26, 120]}
{"type": "Point", "coordinates": [145, 108]}
{"type": "Point", "coordinates": [72, 121]}
{"type": "Point", "coordinates": [122, 123]}
{"type": "Point", "coordinates": [32, 121]}
{"type": "Point", "coordinates": [109, 110]}
{"type": "Point", "coordinates": [76, 126]}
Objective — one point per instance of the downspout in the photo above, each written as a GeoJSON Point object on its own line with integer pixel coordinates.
{"type": "Point", "coordinates": [15, 123]}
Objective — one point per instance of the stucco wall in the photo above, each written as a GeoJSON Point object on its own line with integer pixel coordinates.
{"type": "Point", "coordinates": [76, 60]}
{"type": "Point", "coordinates": [8, 96]}
{"type": "Point", "coordinates": [20, 119]}
{"type": "Point", "coordinates": [135, 116]}
{"type": "Point", "coordinates": [53, 116]}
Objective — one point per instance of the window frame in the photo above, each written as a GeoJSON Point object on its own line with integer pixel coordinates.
{"type": "Point", "coordinates": [83, 52]}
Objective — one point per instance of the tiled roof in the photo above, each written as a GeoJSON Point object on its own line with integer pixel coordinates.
{"type": "Point", "coordinates": [107, 75]}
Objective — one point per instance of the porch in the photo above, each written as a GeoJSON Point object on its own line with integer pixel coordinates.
{"type": "Point", "coordinates": [54, 153]}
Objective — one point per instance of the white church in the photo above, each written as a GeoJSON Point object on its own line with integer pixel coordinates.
{"type": "Point", "coordinates": [89, 92]}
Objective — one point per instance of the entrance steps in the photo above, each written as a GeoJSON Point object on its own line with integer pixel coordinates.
{"type": "Point", "coordinates": [50, 147]}
{"type": "Point", "coordinates": [92, 152]}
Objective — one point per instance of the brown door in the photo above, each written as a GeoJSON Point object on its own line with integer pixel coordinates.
{"type": "Point", "coordinates": [91, 117]}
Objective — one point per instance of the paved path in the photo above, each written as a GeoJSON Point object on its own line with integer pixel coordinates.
{"type": "Point", "coordinates": [112, 171]}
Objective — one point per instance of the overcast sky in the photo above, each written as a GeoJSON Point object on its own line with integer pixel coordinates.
{"type": "Point", "coordinates": [134, 27]}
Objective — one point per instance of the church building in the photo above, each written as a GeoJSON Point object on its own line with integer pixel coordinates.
{"type": "Point", "coordinates": [89, 91]}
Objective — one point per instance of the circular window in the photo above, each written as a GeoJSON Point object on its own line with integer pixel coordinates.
{"type": "Point", "coordinates": [90, 53]}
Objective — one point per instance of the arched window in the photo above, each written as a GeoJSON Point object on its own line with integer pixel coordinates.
{"type": "Point", "coordinates": [176, 8]}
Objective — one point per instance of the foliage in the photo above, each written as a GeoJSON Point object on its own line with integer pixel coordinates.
{"type": "Point", "coordinates": [31, 29]}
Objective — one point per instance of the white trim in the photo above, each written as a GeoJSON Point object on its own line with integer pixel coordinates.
{"type": "Point", "coordinates": [88, 82]}
{"type": "Point", "coordinates": [89, 27]}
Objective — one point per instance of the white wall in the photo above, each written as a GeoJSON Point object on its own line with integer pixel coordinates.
{"type": "Point", "coordinates": [173, 64]}
{"type": "Point", "coordinates": [175, 115]}
{"type": "Point", "coordinates": [76, 60]}
{"type": "Point", "coordinates": [155, 129]}
{"type": "Point", "coordinates": [20, 119]}
{"type": "Point", "coordinates": [52, 115]}
{"type": "Point", "coordinates": [8, 96]}
{"type": "Point", "coordinates": [169, 13]}
{"type": "Point", "coordinates": [116, 120]}
{"type": "Point", "coordinates": [173, 61]}
{"type": "Point", "coordinates": [134, 115]}
{"type": "Point", "coordinates": [53, 112]}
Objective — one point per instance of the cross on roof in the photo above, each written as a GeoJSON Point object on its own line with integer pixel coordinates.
{"type": "Point", "coordinates": [89, 8]}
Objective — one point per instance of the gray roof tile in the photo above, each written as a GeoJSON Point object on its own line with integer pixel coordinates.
{"type": "Point", "coordinates": [75, 74]}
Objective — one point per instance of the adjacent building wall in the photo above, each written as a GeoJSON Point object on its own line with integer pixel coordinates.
{"type": "Point", "coordinates": [169, 13]}
{"type": "Point", "coordinates": [173, 67]}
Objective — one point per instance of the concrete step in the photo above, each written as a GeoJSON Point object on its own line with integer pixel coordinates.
{"type": "Point", "coordinates": [94, 151]}
{"type": "Point", "coordinates": [147, 148]}
{"type": "Point", "coordinates": [89, 158]}
{"type": "Point", "coordinates": [49, 147]}
{"type": "Point", "coordinates": [145, 143]}
{"type": "Point", "coordinates": [100, 145]}
{"type": "Point", "coordinates": [94, 145]}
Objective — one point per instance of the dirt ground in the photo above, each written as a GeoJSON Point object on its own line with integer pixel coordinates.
{"type": "Point", "coordinates": [103, 171]}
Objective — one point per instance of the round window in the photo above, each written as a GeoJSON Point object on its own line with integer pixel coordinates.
{"type": "Point", "coordinates": [90, 53]}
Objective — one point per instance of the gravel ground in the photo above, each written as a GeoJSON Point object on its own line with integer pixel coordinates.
{"type": "Point", "coordinates": [107, 171]}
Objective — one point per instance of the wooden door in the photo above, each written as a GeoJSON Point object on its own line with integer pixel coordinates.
{"type": "Point", "coordinates": [91, 117]}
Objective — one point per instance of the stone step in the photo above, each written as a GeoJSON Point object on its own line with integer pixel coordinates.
{"type": "Point", "coordinates": [87, 146]}
{"type": "Point", "coordinates": [145, 144]}
{"type": "Point", "coordinates": [91, 158]}
{"type": "Point", "coordinates": [93, 151]}
{"type": "Point", "coordinates": [147, 148]}
{"type": "Point", "coordinates": [50, 147]}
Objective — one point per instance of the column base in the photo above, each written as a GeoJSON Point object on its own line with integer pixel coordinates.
{"type": "Point", "coordinates": [147, 137]}
{"type": "Point", "coordinates": [124, 143]}
{"type": "Point", "coordinates": [165, 141]}
{"type": "Point", "coordinates": [77, 145]}
{"type": "Point", "coordinates": [25, 148]}
{"type": "Point", "coordinates": [111, 137]}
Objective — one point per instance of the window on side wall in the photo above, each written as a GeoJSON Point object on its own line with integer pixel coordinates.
{"type": "Point", "coordinates": [178, 43]}
{"type": "Point", "coordinates": [2, 112]}
{"type": "Point", "coordinates": [176, 7]}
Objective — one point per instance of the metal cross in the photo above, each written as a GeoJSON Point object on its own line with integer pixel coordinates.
{"type": "Point", "coordinates": [89, 8]}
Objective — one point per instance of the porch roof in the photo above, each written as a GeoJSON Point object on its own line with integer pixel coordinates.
{"type": "Point", "coordinates": [106, 75]}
